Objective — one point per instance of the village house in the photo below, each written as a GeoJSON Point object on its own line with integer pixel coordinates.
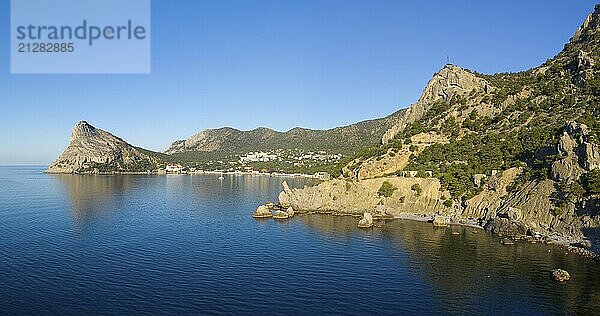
{"type": "Point", "coordinates": [174, 168]}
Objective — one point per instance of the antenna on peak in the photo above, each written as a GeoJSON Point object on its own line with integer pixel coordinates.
{"type": "Point", "coordinates": [448, 60]}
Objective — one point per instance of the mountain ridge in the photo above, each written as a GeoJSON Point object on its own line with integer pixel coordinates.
{"type": "Point", "coordinates": [231, 139]}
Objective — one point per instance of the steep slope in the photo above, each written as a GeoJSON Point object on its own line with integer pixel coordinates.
{"type": "Point", "coordinates": [94, 150]}
{"type": "Point", "coordinates": [344, 140]}
{"type": "Point", "coordinates": [452, 82]}
{"type": "Point", "coordinates": [491, 122]}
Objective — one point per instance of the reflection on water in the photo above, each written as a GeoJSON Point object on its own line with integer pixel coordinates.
{"type": "Point", "coordinates": [188, 245]}
{"type": "Point", "coordinates": [458, 266]}
{"type": "Point", "coordinates": [92, 197]}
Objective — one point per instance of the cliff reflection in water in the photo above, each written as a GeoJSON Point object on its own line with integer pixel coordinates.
{"type": "Point", "coordinates": [93, 197]}
{"type": "Point", "coordinates": [475, 261]}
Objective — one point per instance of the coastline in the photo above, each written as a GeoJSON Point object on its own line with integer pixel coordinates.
{"type": "Point", "coordinates": [220, 173]}
{"type": "Point", "coordinates": [567, 244]}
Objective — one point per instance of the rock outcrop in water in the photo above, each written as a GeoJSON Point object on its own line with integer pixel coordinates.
{"type": "Point", "coordinates": [280, 215]}
{"type": "Point", "coordinates": [92, 150]}
{"type": "Point", "coordinates": [366, 221]}
{"type": "Point", "coordinates": [439, 221]}
{"type": "Point", "coordinates": [560, 275]}
{"type": "Point", "coordinates": [262, 211]}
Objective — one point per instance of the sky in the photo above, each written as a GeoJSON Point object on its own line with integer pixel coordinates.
{"type": "Point", "coordinates": [279, 64]}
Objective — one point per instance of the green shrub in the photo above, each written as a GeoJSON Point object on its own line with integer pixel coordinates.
{"type": "Point", "coordinates": [387, 189]}
{"type": "Point", "coordinates": [591, 182]}
{"type": "Point", "coordinates": [422, 174]}
{"type": "Point", "coordinates": [417, 188]}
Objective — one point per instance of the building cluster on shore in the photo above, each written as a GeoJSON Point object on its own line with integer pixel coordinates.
{"type": "Point", "coordinates": [179, 169]}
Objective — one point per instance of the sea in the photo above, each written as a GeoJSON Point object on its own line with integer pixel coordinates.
{"type": "Point", "coordinates": [188, 245]}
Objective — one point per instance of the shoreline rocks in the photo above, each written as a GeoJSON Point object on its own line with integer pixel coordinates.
{"type": "Point", "coordinates": [440, 221]}
{"type": "Point", "coordinates": [366, 221]}
{"type": "Point", "coordinates": [262, 211]}
{"type": "Point", "coordinates": [290, 211]}
{"type": "Point", "coordinates": [280, 215]}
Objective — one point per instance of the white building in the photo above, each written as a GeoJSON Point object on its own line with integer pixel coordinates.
{"type": "Point", "coordinates": [258, 157]}
{"type": "Point", "coordinates": [174, 168]}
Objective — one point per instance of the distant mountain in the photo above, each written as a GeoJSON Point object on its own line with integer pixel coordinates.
{"type": "Point", "coordinates": [345, 140]}
{"type": "Point", "coordinates": [94, 150]}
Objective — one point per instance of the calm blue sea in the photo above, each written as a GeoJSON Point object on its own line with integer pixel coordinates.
{"type": "Point", "coordinates": [187, 245]}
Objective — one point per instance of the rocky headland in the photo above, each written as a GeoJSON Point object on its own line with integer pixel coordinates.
{"type": "Point", "coordinates": [92, 150]}
{"type": "Point", "coordinates": [517, 154]}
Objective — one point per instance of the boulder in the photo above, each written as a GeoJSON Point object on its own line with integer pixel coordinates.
{"type": "Point", "coordinates": [366, 221]}
{"type": "Point", "coordinates": [281, 215]}
{"type": "Point", "coordinates": [560, 275]}
{"type": "Point", "coordinates": [262, 211]}
{"type": "Point", "coordinates": [290, 211]}
{"type": "Point", "coordinates": [505, 227]}
{"type": "Point", "coordinates": [440, 221]}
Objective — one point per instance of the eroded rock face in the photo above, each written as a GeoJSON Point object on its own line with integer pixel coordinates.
{"type": "Point", "coordinates": [584, 68]}
{"type": "Point", "coordinates": [90, 146]}
{"type": "Point", "coordinates": [354, 197]}
{"type": "Point", "coordinates": [290, 212]}
{"type": "Point", "coordinates": [378, 166]}
{"type": "Point", "coordinates": [591, 24]}
{"type": "Point", "coordinates": [580, 154]}
{"type": "Point", "coordinates": [395, 160]}
{"type": "Point", "coordinates": [448, 83]}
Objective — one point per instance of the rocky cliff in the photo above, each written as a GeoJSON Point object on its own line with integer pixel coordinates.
{"type": "Point", "coordinates": [529, 208]}
{"type": "Point", "coordinates": [517, 153]}
{"type": "Point", "coordinates": [449, 83]}
{"type": "Point", "coordinates": [94, 150]}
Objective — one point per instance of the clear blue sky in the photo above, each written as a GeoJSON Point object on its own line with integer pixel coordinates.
{"type": "Point", "coordinates": [315, 64]}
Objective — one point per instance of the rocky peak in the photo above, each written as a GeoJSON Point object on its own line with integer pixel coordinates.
{"type": "Point", "coordinates": [590, 25]}
{"type": "Point", "coordinates": [90, 147]}
{"type": "Point", "coordinates": [450, 82]}
{"type": "Point", "coordinates": [83, 129]}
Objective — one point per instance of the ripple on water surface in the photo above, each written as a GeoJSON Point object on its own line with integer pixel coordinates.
{"type": "Point", "coordinates": [187, 245]}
